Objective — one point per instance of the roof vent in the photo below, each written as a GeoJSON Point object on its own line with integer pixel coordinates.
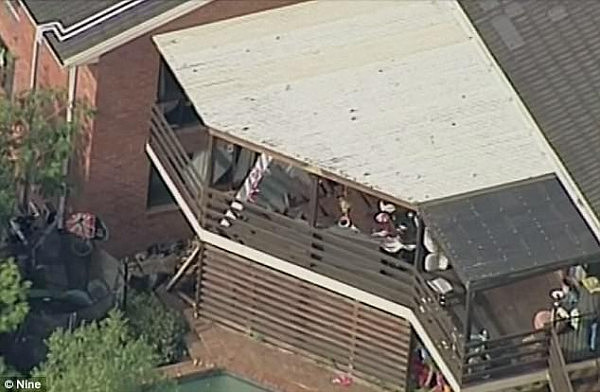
{"type": "Point", "coordinates": [507, 32]}
{"type": "Point", "coordinates": [514, 9]}
{"type": "Point", "coordinates": [557, 13]}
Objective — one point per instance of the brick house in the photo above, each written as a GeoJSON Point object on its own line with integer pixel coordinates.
{"type": "Point", "coordinates": [383, 175]}
{"type": "Point", "coordinates": [102, 51]}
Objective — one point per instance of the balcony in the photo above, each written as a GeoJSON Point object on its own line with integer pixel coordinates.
{"type": "Point", "coordinates": [513, 352]}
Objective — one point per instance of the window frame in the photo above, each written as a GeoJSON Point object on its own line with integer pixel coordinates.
{"type": "Point", "coordinates": [7, 70]}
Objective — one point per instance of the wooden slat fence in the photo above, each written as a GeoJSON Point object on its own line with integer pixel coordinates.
{"type": "Point", "coordinates": [286, 311]}
{"type": "Point", "coordinates": [557, 373]}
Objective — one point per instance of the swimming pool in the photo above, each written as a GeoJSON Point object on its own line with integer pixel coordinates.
{"type": "Point", "coordinates": [218, 382]}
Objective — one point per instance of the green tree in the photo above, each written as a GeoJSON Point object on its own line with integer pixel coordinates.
{"type": "Point", "coordinates": [162, 328]}
{"type": "Point", "coordinates": [100, 357]}
{"type": "Point", "coordinates": [6, 370]}
{"type": "Point", "coordinates": [35, 141]}
{"type": "Point", "coordinates": [13, 296]}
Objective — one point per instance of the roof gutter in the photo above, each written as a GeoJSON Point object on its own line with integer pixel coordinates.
{"type": "Point", "coordinates": [145, 27]}
{"type": "Point", "coordinates": [64, 33]}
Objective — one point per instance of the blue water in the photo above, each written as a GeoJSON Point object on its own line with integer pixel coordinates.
{"type": "Point", "coordinates": [220, 382]}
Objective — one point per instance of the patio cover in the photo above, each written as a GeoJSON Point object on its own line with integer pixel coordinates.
{"type": "Point", "coordinates": [397, 96]}
{"type": "Point", "coordinates": [510, 232]}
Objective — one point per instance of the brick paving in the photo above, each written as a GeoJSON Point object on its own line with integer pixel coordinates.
{"type": "Point", "coordinates": [276, 369]}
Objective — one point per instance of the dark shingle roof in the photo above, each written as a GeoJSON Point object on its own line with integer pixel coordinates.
{"type": "Point", "coordinates": [511, 231]}
{"type": "Point", "coordinates": [550, 50]}
{"type": "Point", "coordinates": [69, 12]}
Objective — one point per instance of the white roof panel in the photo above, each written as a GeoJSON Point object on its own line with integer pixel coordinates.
{"type": "Point", "coordinates": [395, 95]}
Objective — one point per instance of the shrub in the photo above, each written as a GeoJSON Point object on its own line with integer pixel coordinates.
{"type": "Point", "coordinates": [100, 357]}
{"type": "Point", "coordinates": [13, 296]}
{"type": "Point", "coordinates": [162, 328]}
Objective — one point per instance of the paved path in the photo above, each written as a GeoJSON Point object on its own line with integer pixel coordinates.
{"type": "Point", "coordinates": [276, 369]}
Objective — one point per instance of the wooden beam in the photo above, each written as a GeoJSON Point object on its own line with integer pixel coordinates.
{"type": "Point", "coordinates": [198, 288]}
{"type": "Point", "coordinates": [313, 205]}
{"type": "Point", "coordinates": [210, 156]}
{"type": "Point", "coordinates": [505, 280]}
{"type": "Point", "coordinates": [420, 251]}
{"type": "Point", "coordinates": [186, 264]}
{"type": "Point", "coordinates": [186, 298]}
{"type": "Point", "coordinates": [312, 169]}
{"type": "Point", "coordinates": [469, 296]}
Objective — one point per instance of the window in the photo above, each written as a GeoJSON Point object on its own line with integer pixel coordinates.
{"type": "Point", "coordinates": [231, 165]}
{"type": "Point", "coordinates": [177, 109]}
{"type": "Point", "coordinates": [158, 193]}
{"type": "Point", "coordinates": [7, 67]}
{"type": "Point", "coordinates": [276, 187]}
{"type": "Point", "coordinates": [285, 189]}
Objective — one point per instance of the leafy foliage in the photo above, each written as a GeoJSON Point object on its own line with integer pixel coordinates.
{"type": "Point", "coordinates": [162, 328]}
{"type": "Point", "coordinates": [35, 141]}
{"type": "Point", "coordinates": [6, 370]}
{"type": "Point", "coordinates": [101, 357]}
{"type": "Point", "coordinates": [13, 296]}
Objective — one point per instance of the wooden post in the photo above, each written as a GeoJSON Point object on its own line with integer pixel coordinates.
{"type": "Point", "coordinates": [210, 164]}
{"type": "Point", "coordinates": [198, 288]}
{"type": "Point", "coordinates": [470, 296]}
{"type": "Point", "coordinates": [184, 267]}
{"type": "Point", "coordinates": [313, 204]}
{"type": "Point", "coordinates": [208, 180]}
{"type": "Point", "coordinates": [420, 251]}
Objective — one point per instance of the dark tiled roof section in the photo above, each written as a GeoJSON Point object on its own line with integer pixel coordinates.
{"type": "Point", "coordinates": [107, 29]}
{"type": "Point", "coordinates": [68, 12]}
{"type": "Point", "coordinates": [510, 231]}
{"type": "Point", "coordinates": [550, 50]}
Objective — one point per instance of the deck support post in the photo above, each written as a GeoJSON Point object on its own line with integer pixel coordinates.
{"type": "Point", "coordinates": [313, 204]}
{"type": "Point", "coordinates": [185, 266]}
{"type": "Point", "coordinates": [198, 285]}
{"type": "Point", "coordinates": [420, 251]}
{"type": "Point", "coordinates": [208, 180]}
{"type": "Point", "coordinates": [469, 298]}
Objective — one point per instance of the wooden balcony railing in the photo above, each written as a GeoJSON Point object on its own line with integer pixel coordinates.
{"type": "Point", "coordinates": [352, 259]}
{"type": "Point", "coordinates": [176, 162]}
{"type": "Point", "coordinates": [507, 356]}
{"type": "Point", "coordinates": [328, 253]}
{"type": "Point", "coordinates": [558, 376]}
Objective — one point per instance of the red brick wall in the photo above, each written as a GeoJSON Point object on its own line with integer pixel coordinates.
{"type": "Point", "coordinates": [117, 180]}
{"type": "Point", "coordinates": [50, 74]}
{"type": "Point", "coordinates": [18, 36]}
{"type": "Point", "coordinates": [86, 86]}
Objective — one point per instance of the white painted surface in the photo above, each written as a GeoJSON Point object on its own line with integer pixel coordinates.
{"type": "Point", "coordinates": [432, 117]}
{"type": "Point", "coordinates": [303, 273]}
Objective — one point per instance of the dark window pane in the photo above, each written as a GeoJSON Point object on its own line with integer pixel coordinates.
{"type": "Point", "coordinates": [7, 68]}
{"type": "Point", "coordinates": [285, 189]}
{"type": "Point", "coordinates": [158, 193]}
{"type": "Point", "coordinates": [177, 109]}
{"type": "Point", "coordinates": [231, 165]}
